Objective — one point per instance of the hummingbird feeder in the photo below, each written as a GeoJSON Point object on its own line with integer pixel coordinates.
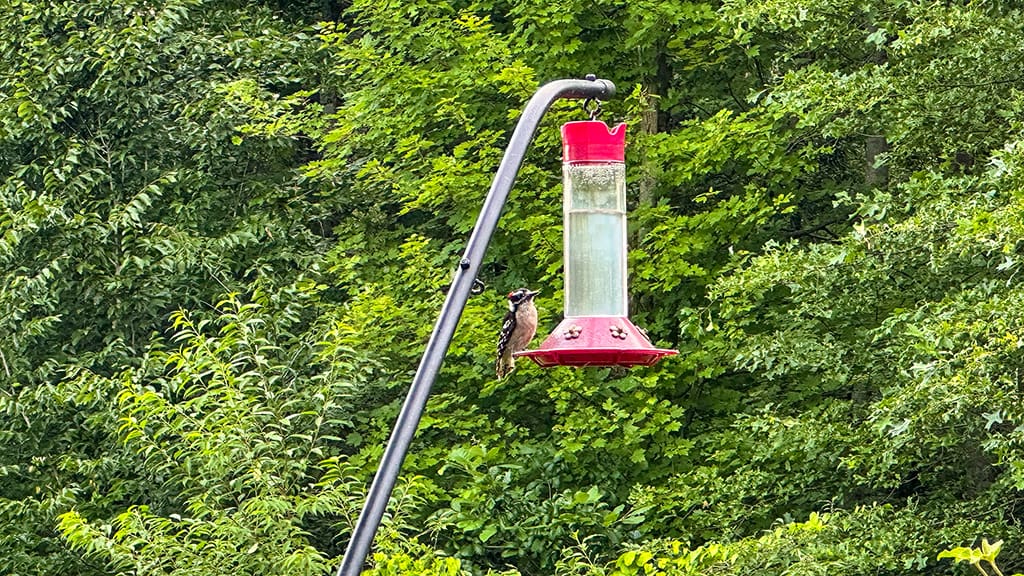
{"type": "Point", "coordinates": [596, 330]}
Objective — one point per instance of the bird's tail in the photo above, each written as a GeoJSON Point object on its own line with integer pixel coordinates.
{"type": "Point", "coordinates": [504, 365]}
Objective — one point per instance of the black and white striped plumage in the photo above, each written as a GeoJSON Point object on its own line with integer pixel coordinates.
{"type": "Point", "coordinates": [517, 329]}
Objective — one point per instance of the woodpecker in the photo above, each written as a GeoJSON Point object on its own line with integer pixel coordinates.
{"type": "Point", "coordinates": [517, 330]}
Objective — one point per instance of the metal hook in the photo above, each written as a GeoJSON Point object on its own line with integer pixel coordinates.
{"type": "Point", "coordinates": [592, 107]}
{"type": "Point", "coordinates": [476, 289]}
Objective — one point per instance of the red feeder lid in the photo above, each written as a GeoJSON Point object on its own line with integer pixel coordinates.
{"type": "Point", "coordinates": [596, 341]}
{"type": "Point", "coordinates": [593, 141]}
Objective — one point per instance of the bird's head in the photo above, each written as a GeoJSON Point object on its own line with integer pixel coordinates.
{"type": "Point", "coordinates": [517, 297]}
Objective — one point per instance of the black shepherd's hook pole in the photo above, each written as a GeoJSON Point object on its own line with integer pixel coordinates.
{"type": "Point", "coordinates": [454, 304]}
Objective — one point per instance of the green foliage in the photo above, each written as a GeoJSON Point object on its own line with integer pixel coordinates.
{"type": "Point", "coordinates": [229, 423]}
{"type": "Point", "coordinates": [866, 540]}
{"type": "Point", "coordinates": [227, 228]}
{"type": "Point", "coordinates": [124, 198]}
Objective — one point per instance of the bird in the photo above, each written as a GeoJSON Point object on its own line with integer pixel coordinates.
{"type": "Point", "coordinates": [517, 329]}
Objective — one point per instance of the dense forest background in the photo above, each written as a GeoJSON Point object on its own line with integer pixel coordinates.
{"type": "Point", "coordinates": [226, 229]}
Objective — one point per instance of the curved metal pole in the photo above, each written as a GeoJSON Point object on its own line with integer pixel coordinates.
{"type": "Point", "coordinates": [454, 304]}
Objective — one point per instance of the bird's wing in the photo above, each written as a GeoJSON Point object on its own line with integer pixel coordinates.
{"type": "Point", "coordinates": [507, 327]}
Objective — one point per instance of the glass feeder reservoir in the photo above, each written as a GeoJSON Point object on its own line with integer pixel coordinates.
{"type": "Point", "coordinates": [596, 330]}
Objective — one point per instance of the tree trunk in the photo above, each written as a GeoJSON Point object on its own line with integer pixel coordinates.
{"type": "Point", "coordinates": [876, 144]}
{"type": "Point", "coordinates": [652, 121]}
{"type": "Point", "coordinates": [875, 176]}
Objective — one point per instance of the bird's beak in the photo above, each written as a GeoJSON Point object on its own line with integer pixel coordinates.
{"type": "Point", "coordinates": [533, 293]}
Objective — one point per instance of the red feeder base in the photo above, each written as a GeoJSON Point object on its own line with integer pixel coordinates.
{"type": "Point", "coordinates": [596, 341]}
